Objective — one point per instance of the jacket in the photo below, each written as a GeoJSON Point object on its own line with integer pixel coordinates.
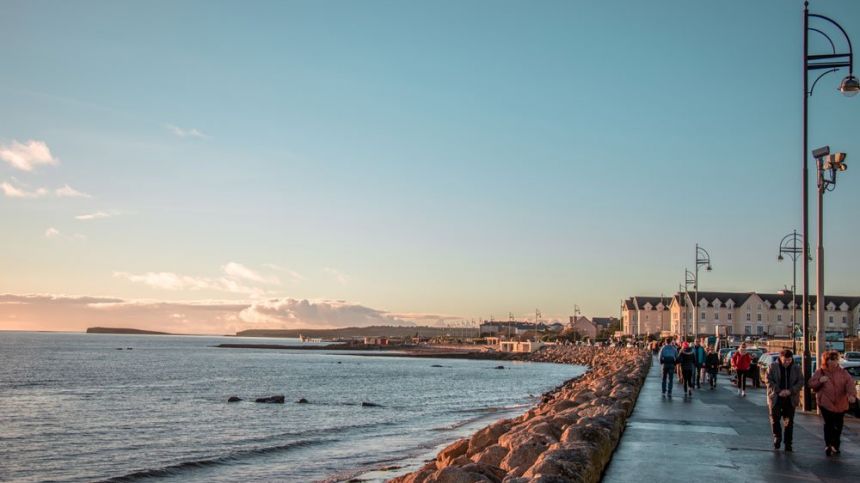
{"type": "Point", "coordinates": [687, 359]}
{"type": "Point", "coordinates": [774, 383]}
{"type": "Point", "coordinates": [833, 394]}
{"type": "Point", "coordinates": [699, 352]}
{"type": "Point", "coordinates": [668, 354]}
{"type": "Point", "coordinates": [712, 362]}
{"type": "Point", "coordinates": [741, 362]}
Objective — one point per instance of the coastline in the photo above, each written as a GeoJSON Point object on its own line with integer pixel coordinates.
{"type": "Point", "coordinates": [569, 436]}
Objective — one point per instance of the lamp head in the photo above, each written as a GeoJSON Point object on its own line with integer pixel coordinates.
{"type": "Point", "coordinates": [849, 86]}
{"type": "Point", "coordinates": [779, 258]}
{"type": "Point", "coordinates": [709, 268]}
{"type": "Point", "coordinates": [836, 162]}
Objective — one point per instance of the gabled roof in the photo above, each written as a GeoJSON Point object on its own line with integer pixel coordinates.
{"type": "Point", "coordinates": [629, 304]}
{"type": "Point", "coordinates": [640, 301]}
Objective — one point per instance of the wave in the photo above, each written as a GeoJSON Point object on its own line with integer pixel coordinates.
{"type": "Point", "coordinates": [175, 469]}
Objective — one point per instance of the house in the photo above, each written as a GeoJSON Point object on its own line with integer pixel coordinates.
{"type": "Point", "coordinates": [584, 327]}
{"type": "Point", "coordinates": [644, 315]}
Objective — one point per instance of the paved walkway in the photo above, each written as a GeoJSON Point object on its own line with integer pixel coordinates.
{"type": "Point", "coordinates": [724, 438]}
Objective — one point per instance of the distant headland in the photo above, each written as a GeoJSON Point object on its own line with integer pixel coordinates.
{"type": "Point", "coordinates": [120, 330]}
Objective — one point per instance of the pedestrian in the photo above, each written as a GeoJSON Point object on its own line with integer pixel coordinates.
{"type": "Point", "coordinates": [784, 382]}
{"type": "Point", "coordinates": [712, 366]}
{"type": "Point", "coordinates": [699, 352]}
{"type": "Point", "coordinates": [741, 362]}
{"type": "Point", "coordinates": [834, 393]}
{"type": "Point", "coordinates": [668, 357]}
{"type": "Point", "coordinates": [687, 361]}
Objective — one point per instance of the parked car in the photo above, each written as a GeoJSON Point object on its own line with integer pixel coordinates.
{"type": "Point", "coordinates": [852, 356]}
{"type": "Point", "coordinates": [765, 361]}
{"type": "Point", "coordinates": [845, 362]}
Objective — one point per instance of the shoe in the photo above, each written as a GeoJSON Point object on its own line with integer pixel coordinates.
{"type": "Point", "coordinates": [788, 448]}
{"type": "Point", "coordinates": [776, 445]}
{"type": "Point", "coordinates": [669, 395]}
{"type": "Point", "coordinates": [836, 451]}
{"type": "Point", "coordinates": [739, 392]}
{"type": "Point", "coordinates": [828, 451]}
{"type": "Point", "coordinates": [743, 394]}
{"type": "Point", "coordinates": [664, 394]}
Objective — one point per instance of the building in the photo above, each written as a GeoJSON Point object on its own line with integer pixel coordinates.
{"type": "Point", "coordinates": [584, 327]}
{"type": "Point", "coordinates": [642, 315]}
{"type": "Point", "coordinates": [736, 313]}
{"type": "Point", "coordinates": [515, 346]}
{"type": "Point", "coordinates": [510, 328]}
{"type": "Point", "coordinates": [605, 323]}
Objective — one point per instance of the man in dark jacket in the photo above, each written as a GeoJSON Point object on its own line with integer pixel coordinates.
{"type": "Point", "coordinates": [784, 382]}
{"type": "Point", "coordinates": [699, 353]}
{"type": "Point", "coordinates": [668, 355]}
{"type": "Point", "coordinates": [712, 366]}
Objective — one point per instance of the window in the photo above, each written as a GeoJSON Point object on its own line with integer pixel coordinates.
{"type": "Point", "coordinates": [716, 315]}
{"type": "Point", "coordinates": [830, 319]}
{"type": "Point", "coordinates": [759, 330]}
{"type": "Point", "coordinates": [748, 316]}
{"type": "Point", "coordinates": [779, 319]}
{"type": "Point", "coordinates": [759, 306]}
{"type": "Point", "coordinates": [646, 316]}
{"type": "Point", "coordinates": [704, 317]}
{"type": "Point", "coordinates": [748, 330]}
{"type": "Point", "coordinates": [844, 319]}
{"type": "Point", "coordinates": [758, 317]}
{"type": "Point", "coordinates": [730, 316]}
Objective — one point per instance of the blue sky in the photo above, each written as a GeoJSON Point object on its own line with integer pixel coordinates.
{"type": "Point", "coordinates": [460, 159]}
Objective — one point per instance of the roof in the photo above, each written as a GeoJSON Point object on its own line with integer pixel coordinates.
{"type": "Point", "coordinates": [604, 321]}
{"type": "Point", "coordinates": [641, 301]}
{"type": "Point", "coordinates": [739, 298]}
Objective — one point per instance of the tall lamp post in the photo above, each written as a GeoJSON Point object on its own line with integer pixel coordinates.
{"type": "Point", "coordinates": [791, 245]}
{"type": "Point", "coordinates": [850, 87]}
{"type": "Point", "coordinates": [690, 280]}
{"type": "Point", "coordinates": [703, 258]}
{"type": "Point", "coordinates": [828, 166]}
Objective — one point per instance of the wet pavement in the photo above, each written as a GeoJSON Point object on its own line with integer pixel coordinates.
{"type": "Point", "coordinates": [722, 437]}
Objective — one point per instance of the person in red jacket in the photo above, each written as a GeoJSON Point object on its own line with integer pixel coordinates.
{"type": "Point", "coordinates": [741, 362]}
{"type": "Point", "coordinates": [834, 391]}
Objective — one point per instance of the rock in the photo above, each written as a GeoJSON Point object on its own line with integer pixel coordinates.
{"type": "Point", "coordinates": [500, 367]}
{"type": "Point", "coordinates": [370, 405]}
{"type": "Point", "coordinates": [233, 399]}
{"type": "Point", "coordinates": [457, 475]}
{"type": "Point", "coordinates": [493, 455]}
{"type": "Point", "coordinates": [452, 451]}
{"type": "Point", "coordinates": [437, 365]}
{"type": "Point", "coordinates": [491, 472]}
{"type": "Point", "coordinates": [488, 436]}
{"type": "Point", "coordinates": [270, 400]}
{"type": "Point", "coordinates": [523, 455]}
{"type": "Point", "coordinates": [302, 401]}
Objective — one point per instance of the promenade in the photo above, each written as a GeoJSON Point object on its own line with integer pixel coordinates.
{"type": "Point", "coordinates": [722, 437]}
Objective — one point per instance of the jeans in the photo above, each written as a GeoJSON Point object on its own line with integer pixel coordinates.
{"type": "Point", "coordinates": [782, 414]}
{"type": "Point", "coordinates": [687, 373]}
{"type": "Point", "coordinates": [668, 373]}
{"type": "Point", "coordinates": [698, 376]}
{"type": "Point", "coordinates": [832, 427]}
{"type": "Point", "coordinates": [712, 378]}
{"type": "Point", "coordinates": [742, 379]}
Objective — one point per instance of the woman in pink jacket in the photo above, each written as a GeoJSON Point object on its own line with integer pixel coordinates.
{"type": "Point", "coordinates": [834, 391]}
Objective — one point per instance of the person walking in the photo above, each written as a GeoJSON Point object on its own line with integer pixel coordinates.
{"type": "Point", "coordinates": [668, 358]}
{"type": "Point", "coordinates": [834, 391]}
{"type": "Point", "coordinates": [784, 382]}
{"type": "Point", "coordinates": [699, 352]}
{"type": "Point", "coordinates": [712, 366]}
{"type": "Point", "coordinates": [741, 362]}
{"type": "Point", "coordinates": [687, 361]}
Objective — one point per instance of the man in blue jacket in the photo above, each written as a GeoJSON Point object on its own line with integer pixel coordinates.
{"type": "Point", "coordinates": [668, 357]}
{"type": "Point", "coordinates": [699, 352]}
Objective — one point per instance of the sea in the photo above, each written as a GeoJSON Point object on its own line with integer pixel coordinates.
{"type": "Point", "coordinates": [101, 407]}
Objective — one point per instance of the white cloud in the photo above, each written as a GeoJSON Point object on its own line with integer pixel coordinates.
{"type": "Point", "coordinates": [52, 233]}
{"type": "Point", "coordinates": [28, 155]}
{"type": "Point", "coordinates": [94, 216]}
{"type": "Point", "coordinates": [294, 275]}
{"type": "Point", "coordinates": [12, 191]}
{"type": "Point", "coordinates": [237, 270]}
{"type": "Point", "coordinates": [298, 314]}
{"type": "Point", "coordinates": [186, 133]}
{"type": "Point", "coordinates": [68, 192]}
{"type": "Point", "coordinates": [174, 281]}
{"type": "Point", "coordinates": [55, 234]}
{"type": "Point", "coordinates": [339, 276]}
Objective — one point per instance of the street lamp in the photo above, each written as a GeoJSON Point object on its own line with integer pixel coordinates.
{"type": "Point", "coordinates": [703, 258]}
{"type": "Point", "coordinates": [791, 245]}
{"type": "Point", "coordinates": [690, 280]}
{"type": "Point", "coordinates": [849, 87]}
{"type": "Point", "coordinates": [828, 166]}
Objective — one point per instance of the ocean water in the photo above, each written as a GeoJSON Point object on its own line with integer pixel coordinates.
{"type": "Point", "coordinates": [74, 408]}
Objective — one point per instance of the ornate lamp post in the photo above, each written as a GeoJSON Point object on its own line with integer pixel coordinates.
{"type": "Point", "coordinates": [703, 258]}
{"type": "Point", "coordinates": [849, 87]}
{"type": "Point", "coordinates": [791, 245]}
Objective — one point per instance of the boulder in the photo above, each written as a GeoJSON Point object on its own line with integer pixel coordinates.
{"type": "Point", "coordinates": [523, 455]}
{"type": "Point", "coordinates": [233, 399]}
{"type": "Point", "coordinates": [488, 436]}
{"type": "Point", "coordinates": [302, 401]}
{"type": "Point", "coordinates": [270, 400]}
{"type": "Point", "coordinates": [452, 451]}
{"type": "Point", "coordinates": [493, 455]}
{"type": "Point", "coordinates": [370, 405]}
{"type": "Point", "coordinates": [457, 475]}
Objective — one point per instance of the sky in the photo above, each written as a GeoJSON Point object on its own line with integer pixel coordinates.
{"type": "Point", "coordinates": [211, 166]}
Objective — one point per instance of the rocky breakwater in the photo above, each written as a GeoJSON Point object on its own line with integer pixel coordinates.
{"type": "Point", "coordinates": [568, 437]}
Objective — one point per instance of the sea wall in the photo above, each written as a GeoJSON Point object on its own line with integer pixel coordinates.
{"type": "Point", "coordinates": [568, 437]}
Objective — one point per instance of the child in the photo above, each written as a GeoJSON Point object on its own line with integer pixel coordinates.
{"type": "Point", "coordinates": [712, 366]}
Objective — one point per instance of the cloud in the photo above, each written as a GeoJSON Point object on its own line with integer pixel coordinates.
{"type": "Point", "coordinates": [68, 192]}
{"type": "Point", "coordinates": [64, 312]}
{"type": "Point", "coordinates": [300, 314]}
{"type": "Point", "coordinates": [94, 216]}
{"type": "Point", "coordinates": [186, 133]}
{"type": "Point", "coordinates": [340, 277]}
{"type": "Point", "coordinates": [27, 156]}
{"type": "Point", "coordinates": [55, 234]}
{"type": "Point", "coordinates": [176, 282]}
{"type": "Point", "coordinates": [237, 270]}
{"type": "Point", "coordinates": [294, 276]}
{"type": "Point", "coordinates": [12, 191]}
